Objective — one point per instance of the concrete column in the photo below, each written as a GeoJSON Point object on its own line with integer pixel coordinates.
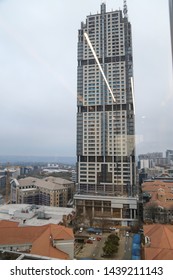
{"type": "Point", "coordinates": [92, 208]}
{"type": "Point", "coordinates": [111, 211]}
{"type": "Point", "coordinates": [134, 213]}
{"type": "Point", "coordinates": [84, 210]}
{"type": "Point", "coordinates": [102, 207]}
{"type": "Point", "coordinates": [121, 213]}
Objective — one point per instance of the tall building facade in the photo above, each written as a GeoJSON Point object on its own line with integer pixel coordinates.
{"type": "Point", "coordinates": [106, 128]}
{"type": "Point", "coordinates": [169, 156]}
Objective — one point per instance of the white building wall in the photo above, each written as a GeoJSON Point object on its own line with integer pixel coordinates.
{"type": "Point", "coordinates": [66, 246]}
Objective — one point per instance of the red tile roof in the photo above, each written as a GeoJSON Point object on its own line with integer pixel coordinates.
{"type": "Point", "coordinates": [20, 235]}
{"type": "Point", "coordinates": [158, 254]}
{"type": "Point", "coordinates": [43, 246]}
{"type": "Point", "coordinates": [161, 246]}
{"type": "Point", "coordinates": [161, 193]}
{"type": "Point", "coordinates": [4, 223]}
{"type": "Point", "coordinates": [61, 232]}
{"type": "Point", "coordinates": [38, 236]}
{"type": "Point", "coordinates": [157, 184]}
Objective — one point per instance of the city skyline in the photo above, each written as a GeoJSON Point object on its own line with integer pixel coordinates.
{"type": "Point", "coordinates": [38, 75]}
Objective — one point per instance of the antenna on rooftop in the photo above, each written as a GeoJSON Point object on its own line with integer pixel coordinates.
{"type": "Point", "coordinates": [125, 10]}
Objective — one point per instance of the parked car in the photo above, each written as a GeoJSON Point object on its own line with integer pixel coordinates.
{"type": "Point", "coordinates": [112, 228]}
{"type": "Point", "coordinates": [92, 238]}
{"type": "Point", "coordinates": [80, 230]}
{"type": "Point", "coordinates": [89, 241]}
{"type": "Point", "coordinates": [98, 238]}
{"type": "Point", "coordinates": [127, 234]}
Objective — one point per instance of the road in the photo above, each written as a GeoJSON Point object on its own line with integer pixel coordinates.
{"type": "Point", "coordinates": [94, 251]}
{"type": "Point", "coordinates": [127, 248]}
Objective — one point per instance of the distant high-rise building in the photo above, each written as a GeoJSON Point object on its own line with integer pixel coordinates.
{"type": "Point", "coordinates": [151, 156]}
{"type": "Point", "coordinates": [106, 128]}
{"type": "Point", "coordinates": [169, 156]}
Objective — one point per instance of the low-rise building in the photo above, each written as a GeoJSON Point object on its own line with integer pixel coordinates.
{"type": "Point", "coordinates": [49, 191]}
{"type": "Point", "coordinates": [2, 182]}
{"type": "Point", "coordinates": [115, 209]}
{"type": "Point", "coordinates": [158, 243]}
{"type": "Point", "coordinates": [159, 208]}
{"type": "Point", "coordinates": [50, 240]}
{"type": "Point", "coordinates": [36, 215]}
{"type": "Point", "coordinates": [25, 170]}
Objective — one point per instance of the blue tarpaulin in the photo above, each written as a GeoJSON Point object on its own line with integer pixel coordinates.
{"type": "Point", "coordinates": [136, 247]}
{"type": "Point", "coordinates": [94, 230]}
{"type": "Point", "coordinates": [135, 257]}
{"type": "Point", "coordinates": [137, 238]}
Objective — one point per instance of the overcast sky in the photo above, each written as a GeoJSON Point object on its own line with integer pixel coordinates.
{"type": "Point", "coordinates": [38, 67]}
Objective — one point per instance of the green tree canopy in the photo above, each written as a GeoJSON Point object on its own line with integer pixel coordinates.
{"type": "Point", "coordinates": [111, 245]}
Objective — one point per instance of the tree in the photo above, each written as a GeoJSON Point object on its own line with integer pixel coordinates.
{"type": "Point", "coordinates": [103, 223]}
{"type": "Point", "coordinates": [113, 238]}
{"type": "Point", "coordinates": [111, 245]}
{"type": "Point", "coordinates": [151, 211]}
{"type": "Point", "coordinates": [135, 228]}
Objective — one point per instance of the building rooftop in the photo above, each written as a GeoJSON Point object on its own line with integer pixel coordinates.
{"type": "Point", "coordinates": [160, 246]}
{"type": "Point", "coordinates": [34, 215]}
{"type": "Point", "coordinates": [12, 255]}
{"type": "Point", "coordinates": [58, 180]}
{"type": "Point", "coordinates": [153, 185]}
{"type": "Point", "coordinates": [161, 193]}
{"type": "Point", "coordinates": [48, 183]}
{"type": "Point", "coordinates": [40, 238]}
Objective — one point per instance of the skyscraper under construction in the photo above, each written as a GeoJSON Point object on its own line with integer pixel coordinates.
{"type": "Point", "coordinates": [106, 187]}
